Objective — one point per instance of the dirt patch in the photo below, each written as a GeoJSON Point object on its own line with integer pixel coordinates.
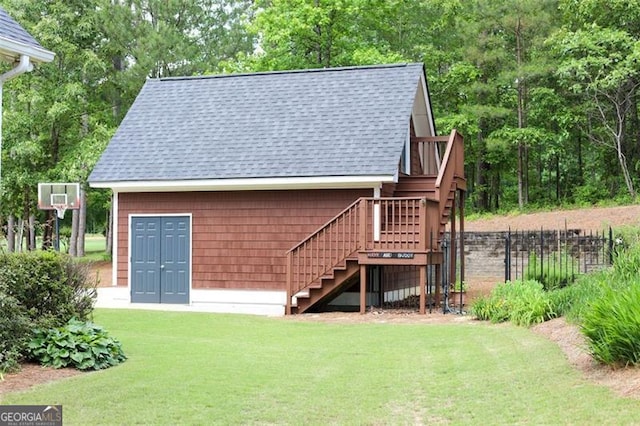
{"type": "Point", "coordinates": [34, 374]}
{"type": "Point", "coordinates": [596, 218]}
{"type": "Point", "coordinates": [102, 270]}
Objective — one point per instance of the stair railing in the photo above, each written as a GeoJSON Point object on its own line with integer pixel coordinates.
{"type": "Point", "coordinates": [372, 224]}
{"type": "Point", "coordinates": [452, 167]}
{"type": "Point", "coordinates": [316, 255]}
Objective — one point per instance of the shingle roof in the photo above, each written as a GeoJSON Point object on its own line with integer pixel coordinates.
{"type": "Point", "coordinates": [330, 122]}
{"type": "Point", "coordinates": [10, 29]}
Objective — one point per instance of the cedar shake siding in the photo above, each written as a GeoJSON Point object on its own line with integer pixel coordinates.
{"type": "Point", "coordinates": [239, 239]}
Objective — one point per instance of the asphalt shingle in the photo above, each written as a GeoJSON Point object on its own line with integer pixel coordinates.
{"type": "Point", "coordinates": [11, 30]}
{"type": "Point", "coordinates": [311, 123]}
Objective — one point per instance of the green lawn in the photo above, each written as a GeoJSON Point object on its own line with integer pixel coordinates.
{"type": "Point", "coordinates": [188, 368]}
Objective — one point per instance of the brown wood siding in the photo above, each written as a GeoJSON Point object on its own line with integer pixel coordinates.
{"type": "Point", "coordinates": [239, 239]}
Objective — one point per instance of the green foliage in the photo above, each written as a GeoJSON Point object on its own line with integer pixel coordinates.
{"type": "Point", "coordinates": [78, 344]}
{"type": "Point", "coordinates": [612, 326]}
{"type": "Point", "coordinates": [15, 326]}
{"type": "Point", "coordinates": [555, 271]}
{"type": "Point", "coordinates": [39, 289]}
{"type": "Point", "coordinates": [460, 286]}
{"type": "Point", "coordinates": [51, 287]}
{"type": "Point", "coordinates": [521, 302]}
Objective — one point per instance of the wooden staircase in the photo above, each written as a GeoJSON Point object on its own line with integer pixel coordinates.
{"type": "Point", "coordinates": [404, 229]}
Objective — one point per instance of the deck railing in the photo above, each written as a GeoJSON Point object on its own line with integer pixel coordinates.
{"type": "Point", "coordinates": [452, 168]}
{"type": "Point", "coordinates": [431, 151]}
{"type": "Point", "coordinates": [372, 224]}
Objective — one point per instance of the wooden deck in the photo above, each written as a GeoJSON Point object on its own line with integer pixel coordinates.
{"type": "Point", "coordinates": [406, 229]}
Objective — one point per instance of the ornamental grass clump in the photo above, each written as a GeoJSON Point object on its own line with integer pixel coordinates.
{"type": "Point", "coordinates": [521, 302]}
{"type": "Point", "coordinates": [612, 326]}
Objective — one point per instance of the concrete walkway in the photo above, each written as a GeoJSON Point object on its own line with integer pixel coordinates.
{"type": "Point", "coordinates": [118, 298]}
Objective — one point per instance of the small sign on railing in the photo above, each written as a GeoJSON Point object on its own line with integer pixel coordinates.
{"type": "Point", "coordinates": [390, 255]}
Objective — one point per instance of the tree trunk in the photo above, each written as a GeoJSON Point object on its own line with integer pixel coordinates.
{"type": "Point", "coordinates": [82, 222]}
{"type": "Point", "coordinates": [73, 240]}
{"type": "Point", "coordinates": [32, 232]}
{"type": "Point", "coordinates": [20, 236]}
{"type": "Point", "coordinates": [523, 167]}
{"type": "Point", "coordinates": [11, 233]}
{"type": "Point", "coordinates": [47, 235]}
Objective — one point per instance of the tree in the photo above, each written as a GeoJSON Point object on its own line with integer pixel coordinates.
{"type": "Point", "coordinates": [602, 64]}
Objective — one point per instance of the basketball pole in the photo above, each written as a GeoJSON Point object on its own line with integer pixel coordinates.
{"type": "Point", "coordinates": [56, 244]}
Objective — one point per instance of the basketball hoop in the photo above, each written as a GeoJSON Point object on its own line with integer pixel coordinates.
{"type": "Point", "coordinates": [60, 209]}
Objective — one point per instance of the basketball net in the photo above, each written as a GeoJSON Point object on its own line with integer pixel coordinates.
{"type": "Point", "coordinates": [60, 209]}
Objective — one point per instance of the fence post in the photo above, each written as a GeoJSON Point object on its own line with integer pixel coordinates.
{"type": "Point", "coordinates": [541, 254]}
{"type": "Point", "coordinates": [507, 251]}
{"type": "Point", "coordinates": [610, 246]}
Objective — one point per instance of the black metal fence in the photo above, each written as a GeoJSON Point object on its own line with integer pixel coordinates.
{"type": "Point", "coordinates": [556, 257]}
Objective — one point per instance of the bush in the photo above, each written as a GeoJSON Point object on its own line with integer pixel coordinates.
{"type": "Point", "coordinates": [39, 289]}
{"type": "Point", "coordinates": [15, 326]}
{"type": "Point", "coordinates": [575, 299]}
{"type": "Point", "coordinates": [521, 302]}
{"type": "Point", "coordinates": [556, 271]}
{"type": "Point", "coordinates": [78, 344]}
{"type": "Point", "coordinates": [612, 326]}
{"type": "Point", "coordinates": [51, 287]}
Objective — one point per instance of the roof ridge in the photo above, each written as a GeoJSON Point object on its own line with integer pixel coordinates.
{"type": "Point", "coordinates": [298, 71]}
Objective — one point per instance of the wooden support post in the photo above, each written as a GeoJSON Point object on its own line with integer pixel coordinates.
{"type": "Point", "coordinates": [461, 195]}
{"type": "Point", "coordinates": [423, 288]}
{"type": "Point", "coordinates": [363, 289]}
{"type": "Point", "coordinates": [362, 213]}
{"type": "Point", "coordinates": [289, 284]}
{"type": "Point", "coordinates": [452, 245]}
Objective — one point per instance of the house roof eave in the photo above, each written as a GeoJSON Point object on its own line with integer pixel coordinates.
{"type": "Point", "coordinates": [14, 49]}
{"type": "Point", "coordinates": [249, 184]}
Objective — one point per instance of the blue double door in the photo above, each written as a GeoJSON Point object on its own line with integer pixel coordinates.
{"type": "Point", "coordinates": [160, 253]}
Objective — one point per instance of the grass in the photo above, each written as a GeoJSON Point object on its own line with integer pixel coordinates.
{"type": "Point", "coordinates": [189, 368]}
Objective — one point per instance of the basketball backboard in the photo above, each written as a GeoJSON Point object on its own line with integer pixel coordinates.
{"type": "Point", "coordinates": [53, 196]}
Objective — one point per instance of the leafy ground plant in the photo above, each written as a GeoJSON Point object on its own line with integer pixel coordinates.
{"type": "Point", "coordinates": [612, 327]}
{"type": "Point", "coordinates": [78, 344]}
{"type": "Point", "coordinates": [521, 302]}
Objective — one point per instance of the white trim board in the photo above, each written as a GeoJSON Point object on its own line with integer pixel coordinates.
{"type": "Point", "coordinates": [253, 184]}
{"type": "Point", "coordinates": [254, 302]}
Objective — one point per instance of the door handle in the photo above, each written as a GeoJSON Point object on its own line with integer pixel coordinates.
{"type": "Point", "coordinates": [161, 266]}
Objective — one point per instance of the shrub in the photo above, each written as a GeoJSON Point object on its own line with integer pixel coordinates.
{"type": "Point", "coordinates": [521, 302]}
{"type": "Point", "coordinates": [39, 289]}
{"type": "Point", "coordinates": [612, 326]}
{"type": "Point", "coordinates": [556, 271]}
{"type": "Point", "coordinates": [15, 326]}
{"type": "Point", "coordinates": [575, 299]}
{"type": "Point", "coordinates": [52, 287]}
{"type": "Point", "coordinates": [78, 344]}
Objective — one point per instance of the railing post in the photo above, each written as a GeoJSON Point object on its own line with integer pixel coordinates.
{"type": "Point", "coordinates": [289, 283]}
{"type": "Point", "coordinates": [362, 207]}
{"type": "Point", "coordinates": [423, 224]}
